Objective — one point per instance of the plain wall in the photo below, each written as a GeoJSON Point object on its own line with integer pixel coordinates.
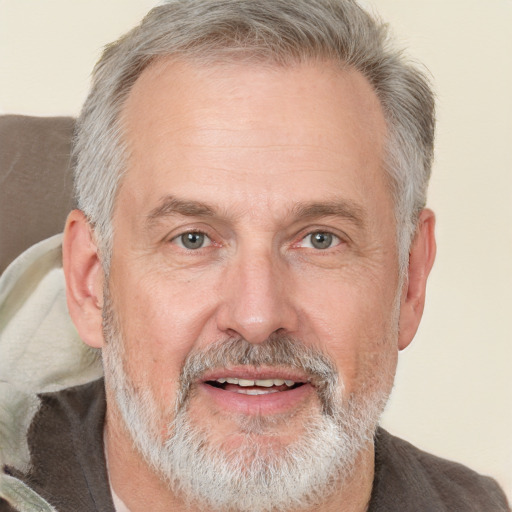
{"type": "Point", "coordinates": [453, 393]}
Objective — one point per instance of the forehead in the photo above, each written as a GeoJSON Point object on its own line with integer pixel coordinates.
{"type": "Point", "coordinates": [279, 132]}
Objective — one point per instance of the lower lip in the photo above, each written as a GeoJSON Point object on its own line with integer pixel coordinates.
{"type": "Point", "coordinates": [271, 403]}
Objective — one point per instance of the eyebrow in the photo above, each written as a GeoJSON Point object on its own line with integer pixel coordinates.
{"type": "Point", "coordinates": [335, 208]}
{"type": "Point", "coordinates": [171, 205]}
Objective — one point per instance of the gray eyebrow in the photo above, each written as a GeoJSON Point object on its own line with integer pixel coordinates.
{"type": "Point", "coordinates": [334, 208]}
{"type": "Point", "coordinates": [171, 205]}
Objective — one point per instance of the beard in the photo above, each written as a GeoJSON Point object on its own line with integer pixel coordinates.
{"type": "Point", "coordinates": [255, 476]}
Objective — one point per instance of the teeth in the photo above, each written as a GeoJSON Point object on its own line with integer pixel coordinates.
{"type": "Point", "coordinates": [264, 383]}
{"type": "Point", "coordinates": [257, 391]}
{"type": "Point", "coordinates": [245, 382]}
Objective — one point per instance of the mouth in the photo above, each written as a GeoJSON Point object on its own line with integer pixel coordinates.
{"type": "Point", "coordinates": [256, 390]}
{"type": "Point", "coordinates": [254, 387]}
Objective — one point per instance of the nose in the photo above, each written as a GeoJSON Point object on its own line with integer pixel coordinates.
{"type": "Point", "coordinates": [257, 298]}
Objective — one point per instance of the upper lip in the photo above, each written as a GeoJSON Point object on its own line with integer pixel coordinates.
{"type": "Point", "coordinates": [256, 373]}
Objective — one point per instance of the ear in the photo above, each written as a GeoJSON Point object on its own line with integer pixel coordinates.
{"type": "Point", "coordinates": [84, 278]}
{"type": "Point", "coordinates": [421, 259]}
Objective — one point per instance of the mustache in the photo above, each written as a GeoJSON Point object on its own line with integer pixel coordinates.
{"type": "Point", "coordinates": [276, 351]}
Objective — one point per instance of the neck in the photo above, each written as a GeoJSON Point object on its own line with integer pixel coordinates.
{"type": "Point", "coordinates": [141, 489]}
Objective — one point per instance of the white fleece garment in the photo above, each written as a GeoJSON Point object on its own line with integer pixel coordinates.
{"type": "Point", "coordinates": [41, 350]}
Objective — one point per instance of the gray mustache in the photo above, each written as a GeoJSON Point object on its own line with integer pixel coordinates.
{"type": "Point", "coordinates": [277, 350]}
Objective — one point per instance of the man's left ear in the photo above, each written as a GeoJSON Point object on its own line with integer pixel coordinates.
{"type": "Point", "coordinates": [421, 258]}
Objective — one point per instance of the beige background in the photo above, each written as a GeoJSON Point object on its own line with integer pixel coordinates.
{"type": "Point", "coordinates": [453, 393]}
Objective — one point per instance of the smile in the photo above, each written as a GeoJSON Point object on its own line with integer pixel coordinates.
{"type": "Point", "coordinates": [253, 387]}
{"type": "Point", "coordinates": [256, 391]}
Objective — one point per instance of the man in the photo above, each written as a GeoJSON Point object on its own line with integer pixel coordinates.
{"type": "Point", "coordinates": [250, 251]}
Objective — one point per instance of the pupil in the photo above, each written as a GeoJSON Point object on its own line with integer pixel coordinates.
{"type": "Point", "coordinates": [192, 240]}
{"type": "Point", "coordinates": [321, 240]}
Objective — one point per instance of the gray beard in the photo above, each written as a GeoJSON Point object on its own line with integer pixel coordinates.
{"type": "Point", "coordinates": [256, 477]}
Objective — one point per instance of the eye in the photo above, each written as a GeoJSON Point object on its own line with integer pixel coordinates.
{"type": "Point", "coordinates": [320, 240]}
{"type": "Point", "coordinates": [192, 240]}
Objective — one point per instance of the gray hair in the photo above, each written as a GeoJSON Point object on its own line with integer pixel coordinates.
{"type": "Point", "coordinates": [280, 32]}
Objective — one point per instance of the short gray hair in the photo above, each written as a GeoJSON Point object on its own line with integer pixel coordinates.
{"type": "Point", "coordinates": [281, 32]}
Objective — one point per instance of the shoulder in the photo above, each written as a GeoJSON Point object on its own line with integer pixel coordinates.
{"type": "Point", "coordinates": [409, 479]}
{"type": "Point", "coordinates": [67, 465]}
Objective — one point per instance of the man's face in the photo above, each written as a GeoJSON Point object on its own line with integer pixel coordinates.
{"type": "Point", "coordinates": [254, 208]}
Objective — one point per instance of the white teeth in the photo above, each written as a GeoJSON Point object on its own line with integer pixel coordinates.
{"type": "Point", "coordinates": [264, 383]}
{"type": "Point", "coordinates": [256, 391]}
{"type": "Point", "coordinates": [245, 382]}
{"type": "Point", "coordinates": [267, 383]}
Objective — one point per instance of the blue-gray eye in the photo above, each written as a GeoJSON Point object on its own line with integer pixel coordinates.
{"type": "Point", "coordinates": [320, 240]}
{"type": "Point", "coordinates": [193, 240]}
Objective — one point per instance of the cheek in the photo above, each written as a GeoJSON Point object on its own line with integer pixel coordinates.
{"type": "Point", "coordinates": [161, 323]}
{"type": "Point", "coordinates": [356, 326]}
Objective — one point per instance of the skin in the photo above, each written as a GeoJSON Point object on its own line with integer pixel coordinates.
{"type": "Point", "coordinates": [259, 146]}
